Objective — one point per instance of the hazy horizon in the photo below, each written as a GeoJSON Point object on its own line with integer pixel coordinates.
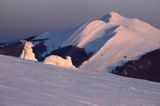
{"type": "Point", "coordinates": [19, 18]}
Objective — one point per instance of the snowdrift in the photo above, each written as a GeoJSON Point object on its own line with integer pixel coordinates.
{"type": "Point", "coordinates": [59, 61]}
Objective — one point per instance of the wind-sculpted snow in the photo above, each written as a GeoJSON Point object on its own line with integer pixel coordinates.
{"type": "Point", "coordinates": [28, 83]}
{"type": "Point", "coordinates": [27, 52]}
{"type": "Point", "coordinates": [59, 61]}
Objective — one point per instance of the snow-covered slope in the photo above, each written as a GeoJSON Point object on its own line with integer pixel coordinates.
{"type": "Point", "coordinates": [27, 83]}
{"type": "Point", "coordinates": [130, 39]}
{"type": "Point", "coordinates": [52, 41]}
{"type": "Point", "coordinates": [90, 36]}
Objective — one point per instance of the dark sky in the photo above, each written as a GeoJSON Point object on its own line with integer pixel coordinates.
{"type": "Point", "coordinates": [19, 18]}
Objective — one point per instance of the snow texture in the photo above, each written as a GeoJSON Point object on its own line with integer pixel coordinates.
{"type": "Point", "coordinates": [28, 83]}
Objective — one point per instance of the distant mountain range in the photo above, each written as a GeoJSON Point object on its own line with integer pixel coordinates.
{"type": "Point", "coordinates": [111, 44]}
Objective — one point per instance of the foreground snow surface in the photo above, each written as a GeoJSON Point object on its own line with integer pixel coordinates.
{"type": "Point", "coordinates": [27, 83]}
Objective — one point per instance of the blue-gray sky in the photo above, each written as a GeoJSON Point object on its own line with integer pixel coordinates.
{"type": "Point", "coordinates": [19, 18]}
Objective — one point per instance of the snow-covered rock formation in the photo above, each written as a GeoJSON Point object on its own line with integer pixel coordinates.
{"type": "Point", "coordinates": [27, 52]}
{"type": "Point", "coordinates": [59, 61]}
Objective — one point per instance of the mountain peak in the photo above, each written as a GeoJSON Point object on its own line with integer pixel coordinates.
{"type": "Point", "coordinates": [111, 16]}
{"type": "Point", "coordinates": [114, 14]}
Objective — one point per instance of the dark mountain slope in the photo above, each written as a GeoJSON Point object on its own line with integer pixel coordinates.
{"type": "Point", "coordinates": [147, 67]}
{"type": "Point", "coordinates": [14, 49]}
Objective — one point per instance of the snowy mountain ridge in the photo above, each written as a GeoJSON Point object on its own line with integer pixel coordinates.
{"type": "Point", "coordinates": [113, 40]}
{"type": "Point", "coordinates": [131, 38]}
